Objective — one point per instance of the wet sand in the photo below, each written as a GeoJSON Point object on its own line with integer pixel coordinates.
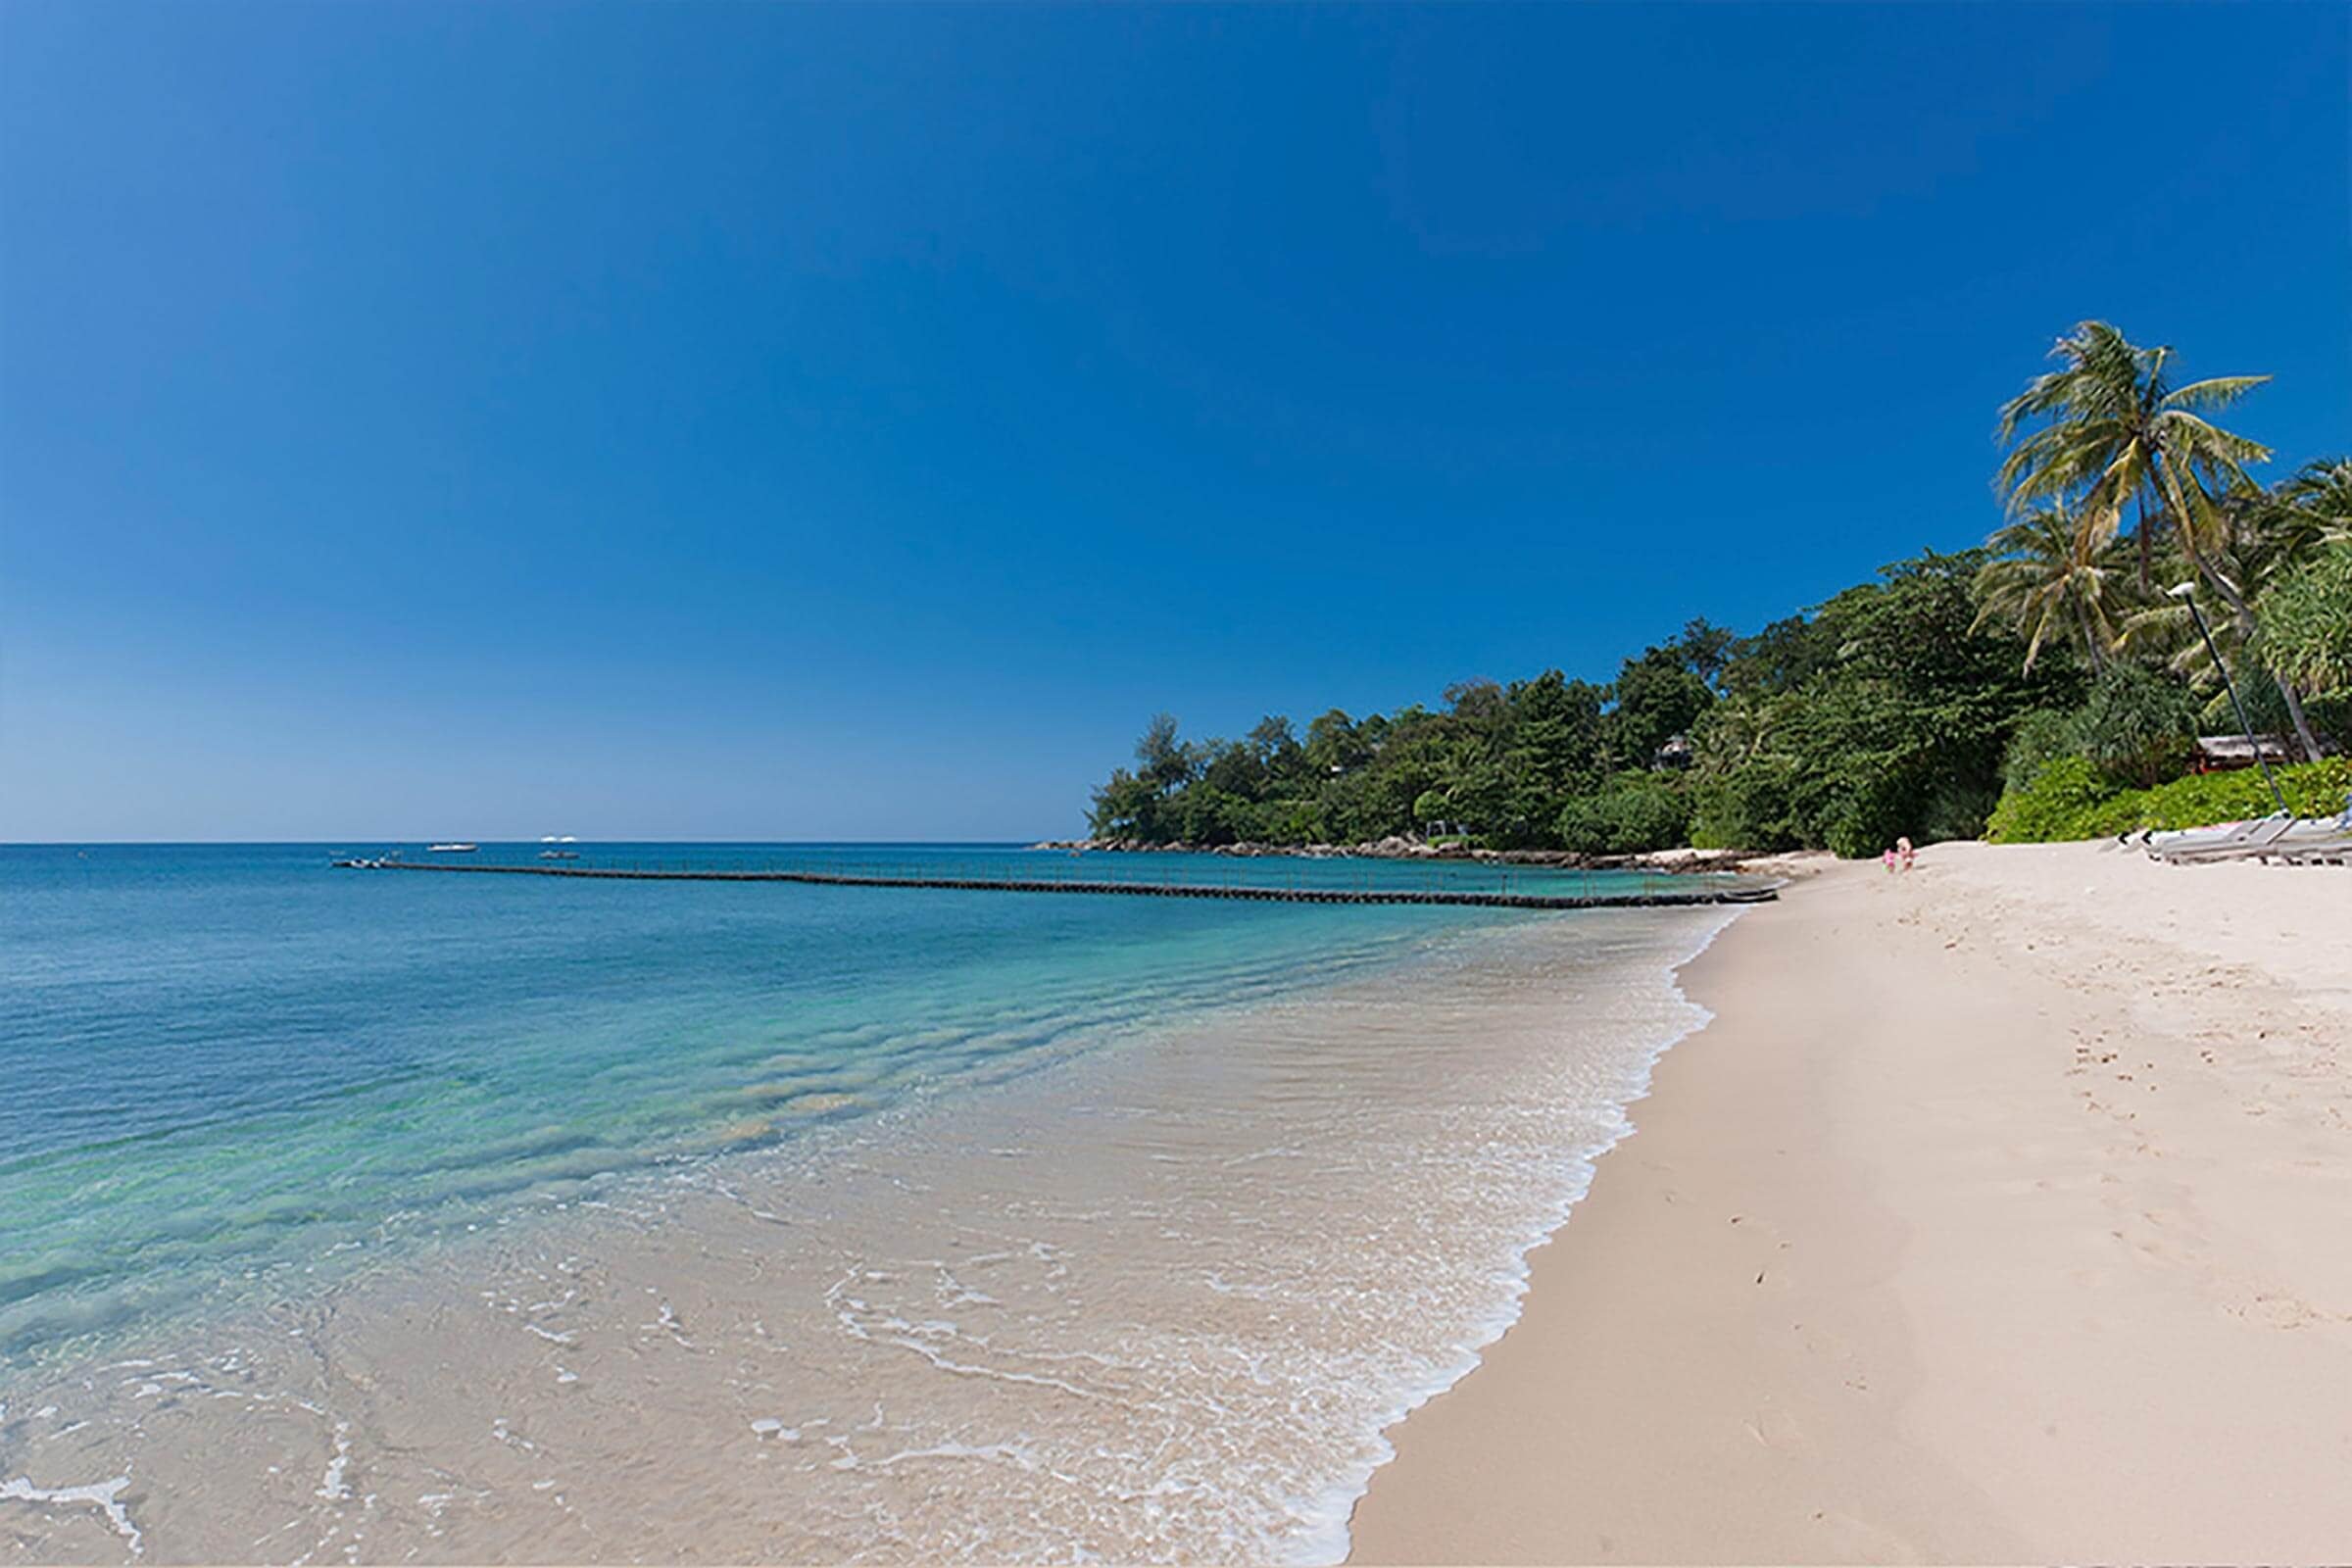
{"type": "Point", "coordinates": [2001, 1214]}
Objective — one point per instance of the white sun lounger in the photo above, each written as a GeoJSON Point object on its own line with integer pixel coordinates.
{"type": "Point", "coordinates": [2324, 841]}
{"type": "Point", "coordinates": [2186, 846]}
{"type": "Point", "coordinates": [2320, 840]}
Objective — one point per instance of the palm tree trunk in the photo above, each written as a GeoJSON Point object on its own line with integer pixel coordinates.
{"type": "Point", "coordinates": [2243, 612]}
{"type": "Point", "coordinates": [2294, 710]}
{"type": "Point", "coordinates": [2090, 640]}
{"type": "Point", "coordinates": [2239, 608]}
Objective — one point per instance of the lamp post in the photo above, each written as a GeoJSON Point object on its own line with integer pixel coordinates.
{"type": "Point", "coordinates": [2186, 593]}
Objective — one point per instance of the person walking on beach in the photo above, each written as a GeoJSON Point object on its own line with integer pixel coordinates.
{"type": "Point", "coordinates": [1902, 848]}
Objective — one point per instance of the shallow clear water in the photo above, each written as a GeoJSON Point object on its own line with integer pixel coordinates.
{"type": "Point", "coordinates": [221, 1059]}
{"type": "Point", "coordinates": [470, 1218]}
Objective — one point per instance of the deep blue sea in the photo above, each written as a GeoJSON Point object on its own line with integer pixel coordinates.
{"type": "Point", "coordinates": [226, 1062]}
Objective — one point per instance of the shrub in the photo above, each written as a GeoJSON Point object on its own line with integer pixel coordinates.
{"type": "Point", "coordinates": [2136, 725]}
{"type": "Point", "coordinates": [2066, 794]}
{"type": "Point", "coordinates": [2307, 622]}
{"type": "Point", "coordinates": [1746, 809]}
{"type": "Point", "coordinates": [2312, 789]}
{"type": "Point", "coordinates": [1633, 813]}
{"type": "Point", "coordinates": [2330, 716]}
{"type": "Point", "coordinates": [2070, 799]}
{"type": "Point", "coordinates": [2041, 737]}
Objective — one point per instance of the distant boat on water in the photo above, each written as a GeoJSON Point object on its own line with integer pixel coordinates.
{"type": "Point", "coordinates": [559, 855]}
{"type": "Point", "coordinates": [451, 849]}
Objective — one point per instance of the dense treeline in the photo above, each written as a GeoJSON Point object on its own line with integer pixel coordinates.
{"type": "Point", "coordinates": [1908, 704]}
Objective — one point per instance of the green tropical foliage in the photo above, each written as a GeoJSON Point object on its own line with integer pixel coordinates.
{"type": "Point", "coordinates": [2054, 574]}
{"type": "Point", "coordinates": [1633, 811]}
{"type": "Point", "coordinates": [2307, 622]}
{"type": "Point", "coordinates": [2046, 685]}
{"type": "Point", "coordinates": [2319, 503]}
{"type": "Point", "coordinates": [2109, 430]}
{"type": "Point", "coordinates": [2134, 726]}
{"type": "Point", "coordinates": [1884, 712]}
{"type": "Point", "coordinates": [2071, 799]}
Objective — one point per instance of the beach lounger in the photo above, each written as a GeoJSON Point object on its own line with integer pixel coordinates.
{"type": "Point", "coordinates": [2228, 841]}
{"type": "Point", "coordinates": [2325, 841]}
{"type": "Point", "coordinates": [2291, 840]}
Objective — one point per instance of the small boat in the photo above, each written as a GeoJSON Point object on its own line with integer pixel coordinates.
{"type": "Point", "coordinates": [451, 849]}
{"type": "Point", "coordinates": [559, 855]}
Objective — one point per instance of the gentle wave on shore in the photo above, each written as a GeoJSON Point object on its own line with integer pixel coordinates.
{"type": "Point", "coordinates": [1069, 1227]}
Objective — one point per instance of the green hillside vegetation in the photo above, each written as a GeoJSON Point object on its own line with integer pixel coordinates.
{"type": "Point", "coordinates": [2043, 686]}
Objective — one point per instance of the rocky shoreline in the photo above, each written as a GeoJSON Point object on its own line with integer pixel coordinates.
{"type": "Point", "coordinates": [1403, 846]}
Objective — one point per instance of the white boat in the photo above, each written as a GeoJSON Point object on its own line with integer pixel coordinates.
{"type": "Point", "coordinates": [451, 849]}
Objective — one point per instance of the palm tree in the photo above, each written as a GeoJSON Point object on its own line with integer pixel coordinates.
{"type": "Point", "coordinates": [2114, 430]}
{"type": "Point", "coordinates": [2052, 575]}
{"type": "Point", "coordinates": [2260, 538]}
{"type": "Point", "coordinates": [2318, 504]}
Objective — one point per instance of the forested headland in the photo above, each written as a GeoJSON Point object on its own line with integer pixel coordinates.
{"type": "Point", "coordinates": [2047, 684]}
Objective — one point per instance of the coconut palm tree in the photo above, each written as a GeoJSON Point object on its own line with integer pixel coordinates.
{"type": "Point", "coordinates": [2318, 502]}
{"type": "Point", "coordinates": [2259, 539]}
{"type": "Point", "coordinates": [2053, 574]}
{"type": "Point", "coordinates": [2109, 426]}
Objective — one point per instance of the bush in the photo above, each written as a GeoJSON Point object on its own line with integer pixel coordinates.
{"type": "Point", "coordinates": [2070, 799]}
{"type": "Point", "coordinates": [2041, 737]}
{"type": "Point", "coordinates": [1633, 813]}
{"type": "Point", "coordinates": [2136, 725]}
{"type": "Point", "coordinates": [2066, 794]}
{"type": "Point", "coordinates": [1746, 809]}
{"type": "Point", "coordinates": [2330, 716]}
{"type": "Point", "coordinates": [1207, 814]}
{"type": "Point", "coordinates": [2307, 622]}
{"type": "Point", "coordinates": [2136, 728]}
{"type": "Point", "coordinates": [1896, 720]}
{"type": "Point", "coordinates": [2312, 789]}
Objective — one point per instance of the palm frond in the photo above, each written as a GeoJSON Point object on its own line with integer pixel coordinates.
{"type": "Point", "coordinates": [2193, 437]}
{"type": "Point", "coordinates": [2215, 392]}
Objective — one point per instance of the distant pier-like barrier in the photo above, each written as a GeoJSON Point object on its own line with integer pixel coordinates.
{"type": "Point", "coordinates": [1649, 896]}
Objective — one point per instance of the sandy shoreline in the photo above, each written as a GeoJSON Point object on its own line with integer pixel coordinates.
{"type": "Point", "coordinates": [2001, 1214]}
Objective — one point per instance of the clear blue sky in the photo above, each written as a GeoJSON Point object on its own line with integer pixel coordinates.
{"type": "Point", "coordinates": [830, 421]}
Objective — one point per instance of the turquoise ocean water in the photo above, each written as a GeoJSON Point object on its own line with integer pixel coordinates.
{"type": "Point", "coordinates": [229, 1065]}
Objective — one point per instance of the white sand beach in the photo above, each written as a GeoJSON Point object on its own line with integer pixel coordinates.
{"type": "Point", "coordinates": [2001, 1214]}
